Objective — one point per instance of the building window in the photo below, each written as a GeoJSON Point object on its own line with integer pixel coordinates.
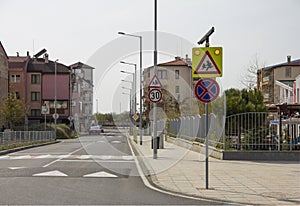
{"type": "Point", "coordinates": [16, 95]}
{"type": "Point", "coordinates": [177, 89]}
{"type": "Point", "coordinates": [35, 79]}
{"type": "Point", "coordinates": [162, 74]}
{"type": "Point", "coordinates": [176, 74]}
{"type": "Point", "coordinates": [15, 78]}
{"type": "Point", "coordinates": [35, 112]}
{"type": "Point", "coordinates": [266, 79]}
{"type": "Point", "coordinates": [298, 95]}
{"type": "Point", "coordinates": [35, 96]}
{"type": "Point", "coordinates": [288, 72]}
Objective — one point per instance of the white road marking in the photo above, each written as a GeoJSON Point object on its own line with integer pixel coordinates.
{"type": "Point", "coordinates": [63, 156]}
{"type": "Point", "coordinates": [16, 168]}
{"type": "Point", "coordinates": [54, 173]}
{"type": "Point", "coordinates": [20, 157]}
{"type": "Point", "coordinates": [100, 174]}
{"type": "Point", "coordinates": [85, 157]}
{"type": "Point", "coordinates": [98, 161]}
{"type": "Point", "coordinates": [47, 156]}
{"type": "Point", "coordinates": [68, 156]}
{"type": "Point", "coordinates": [116, 142]}
{"type": "Point", "coordinates": [105, 157]}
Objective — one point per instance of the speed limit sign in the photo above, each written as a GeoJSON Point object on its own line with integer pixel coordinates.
{"type": "Point", "coordinates": [155, 95]}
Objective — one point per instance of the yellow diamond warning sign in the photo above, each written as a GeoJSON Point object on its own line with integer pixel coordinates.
{"type": "Point", "coordinates": [207, 62]}
{"type": "Point", "coordinates": [135, 117]}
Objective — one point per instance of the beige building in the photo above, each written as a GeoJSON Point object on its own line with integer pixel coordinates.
{"type": "Point", "coordinates": [3, 72]}
{"type": "Point", "coordinates": [176, 80]}
{"type": "Point", "coordinates": [276, 81]}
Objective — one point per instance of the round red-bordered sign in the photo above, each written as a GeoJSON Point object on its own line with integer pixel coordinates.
{"type": "Point", "coordinates": [155, 95]}
{"type": "Point", "coordinates": [207, 90]}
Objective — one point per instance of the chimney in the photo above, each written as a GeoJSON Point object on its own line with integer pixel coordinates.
{"type": "Point", "coordinates": [177, 58]}
{"type": "Point", "coordinates": [17, 54]}
{"type": "Point", "coordinates": [28, 53]}
{"type": "Point", "coordinates": [188, 60]}
{"type": "Point", "coordinates": [288, 58]}
{"type": "Point", "coordinates": [46, 58]}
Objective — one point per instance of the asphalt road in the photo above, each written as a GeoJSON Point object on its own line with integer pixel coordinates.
{"type": "Point", "coordinates": [98, 170]}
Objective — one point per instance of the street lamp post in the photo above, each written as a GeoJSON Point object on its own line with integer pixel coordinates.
{"type": "Point", "coordinates": [55, 96]}
{"type": "Point", "coordinates": [131, 96]}
{"type": "Point", "coordinates": [134, 81]}
{"type": "Point", "coordinates": [130, 107]}
{"type": "Point", "coordinates": [141, 80]}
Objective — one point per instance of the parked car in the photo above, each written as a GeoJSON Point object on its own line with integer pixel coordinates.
{"type": "Point", "coordinates": [96, 129]}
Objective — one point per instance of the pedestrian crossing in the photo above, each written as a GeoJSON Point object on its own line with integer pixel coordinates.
{"type": "Point", "coordinates": [78, 157]}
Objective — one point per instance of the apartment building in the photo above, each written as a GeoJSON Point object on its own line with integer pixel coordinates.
{"type": "Point", "coordinates": [277, 81]}
{"type": "Point", "coordinates": [82, 96]}
{"type": "Point", "coordinates": [32, 79]}
{"type": "Point", "coordinates": [176, 79]}
{"type": "Point", "coordinates": [3, 72]}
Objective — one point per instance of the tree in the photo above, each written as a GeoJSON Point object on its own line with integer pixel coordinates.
{"type": "Point", "coordinates": [244, 101]}
{"type": "Point", "coordinates": [241, 101]}
{"type": "Point", "coordinates": [12, 110]}
{"type": "Point", "coordinates": [250, 77]}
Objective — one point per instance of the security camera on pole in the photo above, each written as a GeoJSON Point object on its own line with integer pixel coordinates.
{"type": "Point", "coordinates": [207, 64]}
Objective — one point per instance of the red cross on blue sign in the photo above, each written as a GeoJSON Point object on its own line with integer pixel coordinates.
{"type": "Point", "coordinates": [207, 90]}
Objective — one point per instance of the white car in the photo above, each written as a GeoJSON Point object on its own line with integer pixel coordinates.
{"type": "Point", "coordinates": [96, 129]}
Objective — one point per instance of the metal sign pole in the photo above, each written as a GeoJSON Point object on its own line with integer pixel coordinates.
{"type": "Point", "coordinates": [206, 145]}
{"type": "Point", "coordinates": [205, 39]}
{"type": "Point", "coordinates": [155, 73]}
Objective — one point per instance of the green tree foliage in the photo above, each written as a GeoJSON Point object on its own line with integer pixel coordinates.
{"type": "Point", "coordinates": [12, 111]}
{"type": "Point", "coordinates": [241, 101]}
{"type": "Point", "coordinates": [105, 119]}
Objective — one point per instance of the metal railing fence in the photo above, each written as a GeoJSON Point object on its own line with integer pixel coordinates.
{"type": "Point", "coordinates": [246, 131]}
{"type": "Point", "coordinates": [12, 139]}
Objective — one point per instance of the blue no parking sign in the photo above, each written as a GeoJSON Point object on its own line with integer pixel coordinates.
{"type": "Point", "coordinates": [207, 90]}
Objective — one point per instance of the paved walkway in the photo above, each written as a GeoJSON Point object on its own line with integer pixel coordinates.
{"type": "Point", "coordinates": [248, 182]}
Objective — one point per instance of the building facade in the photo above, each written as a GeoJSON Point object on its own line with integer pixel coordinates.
{"type": "Point", "coordinates": [82, 96]}
{"type": "Point", "coordinates": [176, 80]}
{"type": "Point", "coordinates": [3, 72]}
{"type": "Point", "coordinates": [33, 81]}
{"type": "Point", "coordinates": [277, 81]}
{"type": "Point", "coordinates": [297, 90]}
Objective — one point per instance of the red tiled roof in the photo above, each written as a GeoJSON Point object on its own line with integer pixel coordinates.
{"type": "Point", "coordinates": [15, 62]}
{"type": "Point", "coordinates": [17, 59]}
{"type": "Point", "coordinates": [39, 65]}
{"type": "Point", "coordinates": [176, 62]}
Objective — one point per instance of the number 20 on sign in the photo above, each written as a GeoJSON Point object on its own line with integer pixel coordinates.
{"type": "Point", "coordinates": [155, 95]}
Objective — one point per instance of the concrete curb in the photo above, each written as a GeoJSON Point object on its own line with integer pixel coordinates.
{"type": "Point", "coordinates": [27, 147]}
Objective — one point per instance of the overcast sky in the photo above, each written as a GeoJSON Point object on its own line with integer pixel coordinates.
{"type": "Point", "coordinates": [73, 30]}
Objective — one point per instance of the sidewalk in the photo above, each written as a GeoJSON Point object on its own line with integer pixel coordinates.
{"type": "Point", "coordinates": [183, 171]}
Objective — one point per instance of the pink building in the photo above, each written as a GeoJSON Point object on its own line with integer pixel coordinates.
{"type": "Point", "coordinates": [33, 81]}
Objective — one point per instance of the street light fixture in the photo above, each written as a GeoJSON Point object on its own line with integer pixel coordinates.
{"type": "Point", "coordinates": [141, 81]}
{"type": "Point", "coordinates": [123, 80]}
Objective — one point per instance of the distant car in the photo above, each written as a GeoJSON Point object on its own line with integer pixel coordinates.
{"type": "Point", "coordinates": [96, 129]}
